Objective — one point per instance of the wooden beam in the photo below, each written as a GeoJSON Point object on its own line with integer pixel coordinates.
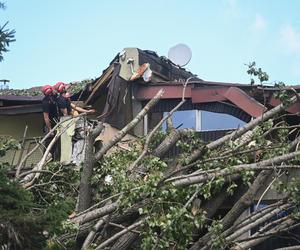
{"type": "Point", "coordinates": [103, 78]}
{"type": "Point", "coordinates": [294, 109]}
{"type": "Point", "coordinates": [245, 102]}
{"type": "Point", "coordinates": [170, 92]}
{"type": "Point", "coordinates": [208, 94]}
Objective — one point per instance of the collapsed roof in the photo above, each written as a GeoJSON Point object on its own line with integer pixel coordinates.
{"type": "Point", "coordinates": [140, 74]}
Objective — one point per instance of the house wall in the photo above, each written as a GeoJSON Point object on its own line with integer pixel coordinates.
{"type": "Point", "coordinates": [136, 108]}
{"type": "Point", "coordinates": [14, 125]}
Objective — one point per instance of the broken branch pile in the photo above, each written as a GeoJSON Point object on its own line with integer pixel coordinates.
{"type": "Point", "coordinates": [139, 198]}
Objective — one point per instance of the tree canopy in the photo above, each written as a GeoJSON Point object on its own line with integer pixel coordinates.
{"type": "Point", "coordinates": [7, 36]}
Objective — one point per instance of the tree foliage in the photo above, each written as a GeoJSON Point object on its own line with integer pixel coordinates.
{"type": "Point", "coordinates": [27, 221]}
{"type": "Point", "coordinates": [7, 36]}
{"type": "Point", "coordinates": [157, 201]}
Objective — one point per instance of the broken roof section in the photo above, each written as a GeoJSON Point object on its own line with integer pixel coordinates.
{"type": "Point", "coordinates": [121, 67]}
{"type": "Point", "coordinates": [139, 66]}
{"type": "Point", "coordinates": [136, 75]}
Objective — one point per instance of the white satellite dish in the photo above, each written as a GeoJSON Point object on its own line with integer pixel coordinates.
{"type": "Point", "coordinates": [180, 54]}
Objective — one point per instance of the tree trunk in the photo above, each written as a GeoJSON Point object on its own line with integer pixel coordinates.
{"type": "Point", "coordinates": [85, 191]}
{"type": "Point", "coordinates": [212, 205]}
{"type": "Point", "coordinates": [96, 213]}
{"type": "Point", "coordinates": [169, 142]}
{"type": "Point", "coordinates": [125, 241]}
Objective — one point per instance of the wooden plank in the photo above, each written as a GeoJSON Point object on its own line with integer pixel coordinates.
{"type": "Point", "coordinates": [245, 102]}
{"type": "Point", "coordinates": [103, 78]}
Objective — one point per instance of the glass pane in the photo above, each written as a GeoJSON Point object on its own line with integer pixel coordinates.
{"type": "Point", "coordinates": [183, 119]}
{"type": "Point", "coordinates": [214, 121]}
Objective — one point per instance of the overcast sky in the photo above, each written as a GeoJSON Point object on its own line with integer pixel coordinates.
{"type": "Point", "coordinates": [73, 40]}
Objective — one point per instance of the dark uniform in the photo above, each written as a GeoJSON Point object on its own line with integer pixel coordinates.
{"type": "Point", "coordinates": [49, 105]}
{"type": "Point", "coordinates": [63, 103]}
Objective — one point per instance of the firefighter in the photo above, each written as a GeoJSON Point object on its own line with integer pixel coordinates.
{"type": "Point", "coordinates": [50, 115]}
{"type": "Point", "coordinates": [66, 107]}
{"type": "Point", "coordinates": [49, 105]}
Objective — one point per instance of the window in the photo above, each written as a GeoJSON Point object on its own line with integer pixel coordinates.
{"type": "Point", "coordinates": [215, 121]}
{"type": "Point", "coordinates": [204, 120]}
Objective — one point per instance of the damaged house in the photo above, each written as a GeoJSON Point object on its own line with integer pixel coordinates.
{"type": "Point", "coordinates": [132, 79]}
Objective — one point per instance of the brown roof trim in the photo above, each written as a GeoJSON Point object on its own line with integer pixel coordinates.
{"type": "Point", "coordinates": [21, 109]}
{"type": "Point", "coordinates": [200, 84]}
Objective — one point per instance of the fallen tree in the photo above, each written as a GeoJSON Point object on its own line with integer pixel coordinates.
{"type": "Point", "coordinates": [142, 186]}
{"type": "Point", "coordinates": [141, 198]}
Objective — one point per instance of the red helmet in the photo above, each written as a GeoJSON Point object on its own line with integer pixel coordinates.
{"type": "Point", "coordinates": [47, 90]}
{"type": "Point", "coordinates": [60, 87]}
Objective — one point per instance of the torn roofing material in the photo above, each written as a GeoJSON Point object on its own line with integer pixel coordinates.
{"type": "Point", "coordinates": [22, 101]}
{"type": "Point", "coordinates": [35, 94]}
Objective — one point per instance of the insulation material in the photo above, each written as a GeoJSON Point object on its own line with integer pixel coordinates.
{"type": "Point", "coordinates": [78, 142]}
{"type": "Point", "coordinates": [78, 152]}
{"type": "Point", "coordinates": [66, 140]}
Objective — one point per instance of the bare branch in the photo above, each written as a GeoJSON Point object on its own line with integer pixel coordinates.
{"type": "Point", "coordinates": [289, 248]}
{"type": "Point", "coordinates": [235, 212]}
{"type": "Point", "coordinates": [236, 169]}
{"type": "Point", "coordinates": [262, 237]}
{"type": "Point", "coordinates": [124, 231]}
{"type": "Point", "coordinates": [29, 179]}
{"type": "Point", "coordinates": [169, 141]}
{"type": "Point", "coordinates": [255, 223]}
{"type": "Point", "coordinates": [89, 239]}
{"type": "Point", "coordinates": [41, 142]}
{"type": "Point", "coordinates": [94, 214]}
